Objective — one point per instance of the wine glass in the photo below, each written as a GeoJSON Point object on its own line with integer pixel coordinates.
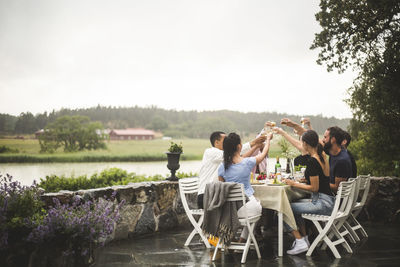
{"type": "Point", "coordinates": [269, 125]}
{"type": "Point", "coordinates": [303, 120]}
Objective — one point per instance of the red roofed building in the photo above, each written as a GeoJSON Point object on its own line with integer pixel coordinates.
{"type": "Point", "coordinates": [132, 134]}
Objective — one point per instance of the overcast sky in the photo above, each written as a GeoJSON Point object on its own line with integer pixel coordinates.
{"type": "Point", "coordinates": [247, 55]}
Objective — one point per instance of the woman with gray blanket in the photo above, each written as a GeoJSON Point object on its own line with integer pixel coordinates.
{"type": "Point", "coordinates": [237, 169]}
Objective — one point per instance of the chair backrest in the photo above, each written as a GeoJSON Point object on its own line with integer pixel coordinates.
{"type": "Point", "coordinates": [236, 193]}
{"type": "Point", "coordinates": [356, 189]}
{"type": "Point", "coordinates": [365, 182]}
{"type": "Point", "coordinates": [188, 186]}
{"type": "Point", "coordinates": [344, 198]}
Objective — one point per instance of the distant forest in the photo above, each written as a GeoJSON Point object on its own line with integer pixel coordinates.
{"type": "Point", "coordinates": [177, 124]}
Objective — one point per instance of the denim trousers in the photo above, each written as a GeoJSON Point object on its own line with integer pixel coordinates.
{"type": "Point", "coordinates": [319, 203]}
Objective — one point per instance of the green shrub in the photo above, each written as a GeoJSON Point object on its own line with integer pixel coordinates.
{"type": "Point", "coordinates": [108, 177]}
{"type": "Point", "coordinates": [19, 206]}
{"type": "Point", "coordinates": [6, 149]}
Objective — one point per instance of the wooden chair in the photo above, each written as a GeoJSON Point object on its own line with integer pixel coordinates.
{"type": "Point", "coordinates": [237, 194]}
{"type": "Point", "coordinates": [189, 186]}
{"type": "Point", "coordinates": [327, 225]}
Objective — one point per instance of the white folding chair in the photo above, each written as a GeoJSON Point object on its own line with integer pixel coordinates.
{"type": "Point", "coordinates": [190, 186]}
{"type": "Point", "coordinates": [352, 224]}
{"type": "Point", "coordinates": [237, 194]}
{"type": "Point", "coordinates": [343, 227]}
{"type": "Point", "coordinates": [326, 225]}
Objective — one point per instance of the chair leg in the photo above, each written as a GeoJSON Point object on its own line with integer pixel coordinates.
{"type": "Point", "coordinates": [331, 234]}
{"type": "Point", "coordinates": [250, 239]}
{"type": "Point", "coordinates": [254, 241]}
{"type": "Point", "coordinates": [324, 236]}
{"type": "Point", "coordinates": [358, 226]}
{"type": "Point", "coordinates": [199, 223]}
{"type": "Point", "coordinates": [341, 240]}
{"type": "Point", "coordinates": [190, 237]}
{"type": "Point", "coordinates": [363, 232]}
{"type": "Point", "coordinates": [333, 248]}
{"type": "Point", "coordinates": [216, 249]}
{"type": "Point", "coordinates": [318, 239]}
{"type": "Point", "coordinates": [197, 230]}
{"type": "Point", "coordinates": [353, 237]}
{"type": "Point", "coordinates": [246, 249]}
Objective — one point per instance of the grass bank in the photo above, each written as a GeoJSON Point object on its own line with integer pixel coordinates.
{"type": "Point", "coordinates": [117, 151]}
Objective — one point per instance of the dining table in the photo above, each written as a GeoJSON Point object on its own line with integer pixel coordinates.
{"type": "Point", "coordinates": [278, 197]}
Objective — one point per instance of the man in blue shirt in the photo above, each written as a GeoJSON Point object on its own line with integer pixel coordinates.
{"type": "Point", "coordinates": [345, 144]}
{"type": "Point", "coordinates": [339, 159]}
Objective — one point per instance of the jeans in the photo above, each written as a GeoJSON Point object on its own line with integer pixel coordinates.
{"type": "Point", "coordinates": [319, 203]}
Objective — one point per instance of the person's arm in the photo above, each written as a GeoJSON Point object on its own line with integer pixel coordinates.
{"type": "Point", "coordinates": [252, 146]}
{"type": "Point", "coordinates": [250, 152]}
{"type": "Point", "coordinates": [259, 140]}
{"type": "Point", "coordinates": [296, 143]}
{"type": "Point", "coordinates": [334, 187]}
{"type": "Point", "coordinates": [216, 156]}
{"type": "Point", "coordinates": [308, 123]}
{"type": "Point", "coordinates": [313, 186]}
{"type": "Point", "coordinates": [264, 153]}
{"type": "Point", "coordinates": [342, 172]}
{"type": "Point", "coordinates": [221, 179]}
{"type": "Point", "coordinates": [299, 130]}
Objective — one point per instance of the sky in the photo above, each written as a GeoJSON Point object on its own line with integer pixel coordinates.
{"type": "Point", "coordinates": [249, 56]}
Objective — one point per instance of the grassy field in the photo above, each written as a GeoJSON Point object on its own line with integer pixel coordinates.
{"type": "Point", "coordinates": [149, 150]}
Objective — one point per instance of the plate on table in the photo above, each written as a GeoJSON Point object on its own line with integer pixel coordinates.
{"type": "Point", "coordinates": [276, 184]}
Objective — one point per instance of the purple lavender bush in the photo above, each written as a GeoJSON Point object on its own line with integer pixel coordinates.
{"type": "Point", "coordinates": [32, 236]}
{"type": "Point", "coordinates": [76, 228]}
{"type": "Point", "coordinates": [19, 205]}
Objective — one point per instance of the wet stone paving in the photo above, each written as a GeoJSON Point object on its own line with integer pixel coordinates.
{"type": "Point", "coordinates": [381, 248]}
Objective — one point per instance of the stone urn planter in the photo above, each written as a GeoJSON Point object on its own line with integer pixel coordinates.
{"type": "Point", "coordinates": [173, 164]}
{"type": "Point", "coordinates": [173, 155]}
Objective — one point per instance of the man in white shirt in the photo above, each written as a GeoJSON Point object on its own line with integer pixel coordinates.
{"type": "Point", "coordinates": [214, 156]}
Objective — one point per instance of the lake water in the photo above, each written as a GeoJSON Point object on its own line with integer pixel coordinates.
{"type": "Point", "coordinates": [27, 172]}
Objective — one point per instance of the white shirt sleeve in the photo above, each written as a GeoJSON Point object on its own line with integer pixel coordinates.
{"type": "Point", "coordinates": [245, 148]}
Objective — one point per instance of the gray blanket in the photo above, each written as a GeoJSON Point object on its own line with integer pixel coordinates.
{"type": "Point", "coordinates": [220, 217]}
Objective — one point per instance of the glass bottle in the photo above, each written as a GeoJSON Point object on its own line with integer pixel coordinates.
{"type": "Point", "coordinates": [277, 166]}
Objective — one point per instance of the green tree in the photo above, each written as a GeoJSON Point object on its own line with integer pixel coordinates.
{"type": "Point", "coordinates": [158, 123]}
{"type": "Point", "coordinates": [41, 120]}
{"type": "Point", "coordinates": [26, 123]}
{"type": "Point", "coordinates": [73, 133]}
{"type": "Point", "coordinates": [365, 34]}
{"type": "Point", "coordinates": [7, 123]}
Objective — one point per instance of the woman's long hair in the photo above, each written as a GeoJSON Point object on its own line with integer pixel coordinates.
{"type": "Point", "coordinates": [311, 139]}
{"type": "Point", "coordinates": [230, 146]}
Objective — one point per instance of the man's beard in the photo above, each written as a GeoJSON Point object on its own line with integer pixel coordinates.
{"type": "Point", "coordinates": [327, 147]}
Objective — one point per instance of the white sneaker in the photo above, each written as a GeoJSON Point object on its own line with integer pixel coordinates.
{"type": "Point", "coordinates": [305, 239]}
{"type": "Point", "coordinates": [299, 246]}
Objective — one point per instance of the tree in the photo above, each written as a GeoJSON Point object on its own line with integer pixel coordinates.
{"type": "Point", "coordinates": [365, 34]}
{"type": "Point", "coordinates": [158, 124]}
{"type": "Point", "coordinates": [26, 123]}
{"type": "Point", "coordinates": [7, 123]}
{"type": "Point", "coordinates": [41, 120]}
{"type": "Point", "coordinates": [73, 133]}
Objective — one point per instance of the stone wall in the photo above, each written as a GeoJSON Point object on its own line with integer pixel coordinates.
{"type": "Point", "coordinates": [149, 206]}
{"type": "Point", "coordinates": [383, 202]}
{"type": "Point", "coordinates": [156, 206]}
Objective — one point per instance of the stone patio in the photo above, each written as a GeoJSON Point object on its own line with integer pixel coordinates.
{"type": "Point", "coordinates": [381, 248]}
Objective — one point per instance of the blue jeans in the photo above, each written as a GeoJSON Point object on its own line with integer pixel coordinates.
{"type": "Point", "coordinates": [319, 203]}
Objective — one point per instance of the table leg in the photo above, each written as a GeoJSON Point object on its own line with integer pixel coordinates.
{"type": "Point", "coordinates": [280, 234]}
